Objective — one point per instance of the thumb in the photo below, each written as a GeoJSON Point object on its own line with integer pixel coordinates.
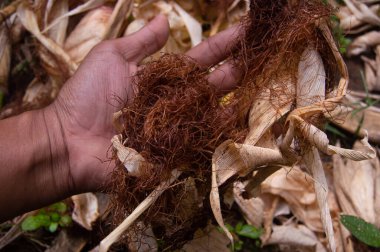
{"type": "Point", "coordinates": [146, 41]}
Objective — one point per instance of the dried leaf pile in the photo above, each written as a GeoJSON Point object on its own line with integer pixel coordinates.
{"type": "Point", "coordinates": [184, 155]}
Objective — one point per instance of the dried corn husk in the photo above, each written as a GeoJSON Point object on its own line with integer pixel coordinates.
{"type": "Point", "coordinates": [362, 12]}
{"type": "Point", "coordinates": [5, 60]}
{"type": "Point", "coordinates": [131, 159]}
{"type": "Point", "coordinates": [297, 237]}
{"type": "Point", "coordinates": [364, 43]}
{"type": "Point", "coordinates": [29, 20]}
{"type": "Point", "coordinates": [352, 24]}
{"type": "Point", "coordinates": [228, 160]}
{"type": "Point", "coordinates": [359, 119]}
{"type": "Point", "coordinates": [121, 11]}
{"type": "Point", "coordinates": [88, 33]}
{"type": "Point", "coordinates": [355, 185]}
{"type": "Point", "coordinates": [185, 30]}
{"type": "Point", "coordinates": [85, 209]}
{"type": "Point", "coordinates": [88, 5]}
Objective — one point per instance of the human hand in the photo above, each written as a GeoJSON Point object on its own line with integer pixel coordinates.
{"type": "Point", "coordinates": [82, 113]}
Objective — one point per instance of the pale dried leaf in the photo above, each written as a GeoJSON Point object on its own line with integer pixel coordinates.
{"type": "Point", "coordinates": [132, 160]}
{"type": "Point", "coordinates": [355, 186]}
{"type": "Point", "coordinates": [88, 5]}
{"type": "Point", "coordinates": [364, 43]}
{"type": "Point", "coordinates": [5, 58]}
{"type": "Point", "coordinates": [299, 237]}
{"type": "Point", "coordinates": [29, 20]}
{"type": "Point", "coordinates": [362, 12]}
{"type": "Point", "coordinates": [121, 11]}
{"type": "Point", "coordinates": [311, 86]}
{"type": "Point", "coordinates": [368, 119]}
{"type": "Point", "coordinates": [311, 89]}
{"type": "Point", "coordinates": [252, 208]}
{"type": "Point", "coordinates": [88, 33]}
{"type": "Point", "coordinates": [193, 26]}
{"type": "Point", "coordinates": [208, 239]}
{"type": "Point", "coordinates": [297, 189]}
{"type": "Point", "coordinates": [143, 241]}
{"type": "Point", "coordinates": [56, 9]}
{"type": "Point", "coordinates": [85, 209]}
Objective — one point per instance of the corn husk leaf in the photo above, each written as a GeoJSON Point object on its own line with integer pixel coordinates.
{"type": "Point", "coordinates": [352, 24]}
{"type": "Point", "coordinates": [142, 241]}
{"type": "Point", "coordinates": [252, 208]}
{"type": "Point", "coordinates": [311, 89]}
{"type": "Point", "coordinates": [29, 20]}
{"type": "Point", "coordinates": [360, 117]}
{"type": "Point", "coordinates": [5, 59]}
{"type": "Point", "coordinates": [207, 239]}
{"type": "Point", "coordinates": [121, 11]}
{"type": "Point", "coordinates": [132, 160]}
{"type": "Point", "coordinates": [297, 189]}
{"type": "Point", "coordinates": [88, 5]}
{"type": "Point", "coordinates": [362, 12]}
{"type": "Point", "coordinates": [355, 185]}
{"type": "Point", "coordinates": [88, 33]}
{"type": "Point", "coordinates": [193, 26]}
{"type": "Point", "coordinates": [85, 209]}
{"type": "Point", "coordinates": [55, 9]}
{"type": "Point", "coordinates": [298, 237]}
{"type": "Point", "coordinates": [364, 43]}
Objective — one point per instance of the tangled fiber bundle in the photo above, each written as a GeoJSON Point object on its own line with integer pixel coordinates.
{"type": "Point", "coordinates": [177, 121]}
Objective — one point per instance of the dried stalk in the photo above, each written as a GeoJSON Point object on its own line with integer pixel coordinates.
{"type": "Point", "coordinates": [140, 209]}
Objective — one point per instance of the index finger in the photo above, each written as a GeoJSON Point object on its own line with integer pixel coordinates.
{"type": "Point", "coordinates": [216, 48]}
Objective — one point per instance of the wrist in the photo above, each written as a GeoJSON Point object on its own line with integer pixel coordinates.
{"type": "Point", "coordinates": [55, 155]}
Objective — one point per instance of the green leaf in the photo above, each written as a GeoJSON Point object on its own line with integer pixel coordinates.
{"type": "Point", "coordinates": [65, 221]}
{"type": "Point", "coordinates": [239, 226]}
{"type": "Point", "coordinates": [59, 207]}
{"type": "Point", "coordinates": [55, 217]}
{"type": "Point", "coordinates": [32, 223]}
{"type": "Point", "coordinates": [362, 230]}
{"type": "Point", "coordinates": [250, 232]}
{"type": "Point", "coordinates": [53, 227]}
{"type": "Point", "coordinates": [230, 228]}
{"type": "Point", "coordinates": [238, 245]}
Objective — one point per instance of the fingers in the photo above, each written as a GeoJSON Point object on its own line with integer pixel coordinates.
{"type": "Point", "coordinates": [225, 77]}
{"type": "Point", "coordinates": [144, 42]}
{"type": "Point", "coordinates": [216, 48]}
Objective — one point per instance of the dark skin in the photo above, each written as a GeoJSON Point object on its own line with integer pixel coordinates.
{"type": "Point", "coordinates": [50, 154]}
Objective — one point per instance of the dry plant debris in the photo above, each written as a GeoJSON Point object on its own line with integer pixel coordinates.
{"type": "Point", "coordinates": [179, 141]}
